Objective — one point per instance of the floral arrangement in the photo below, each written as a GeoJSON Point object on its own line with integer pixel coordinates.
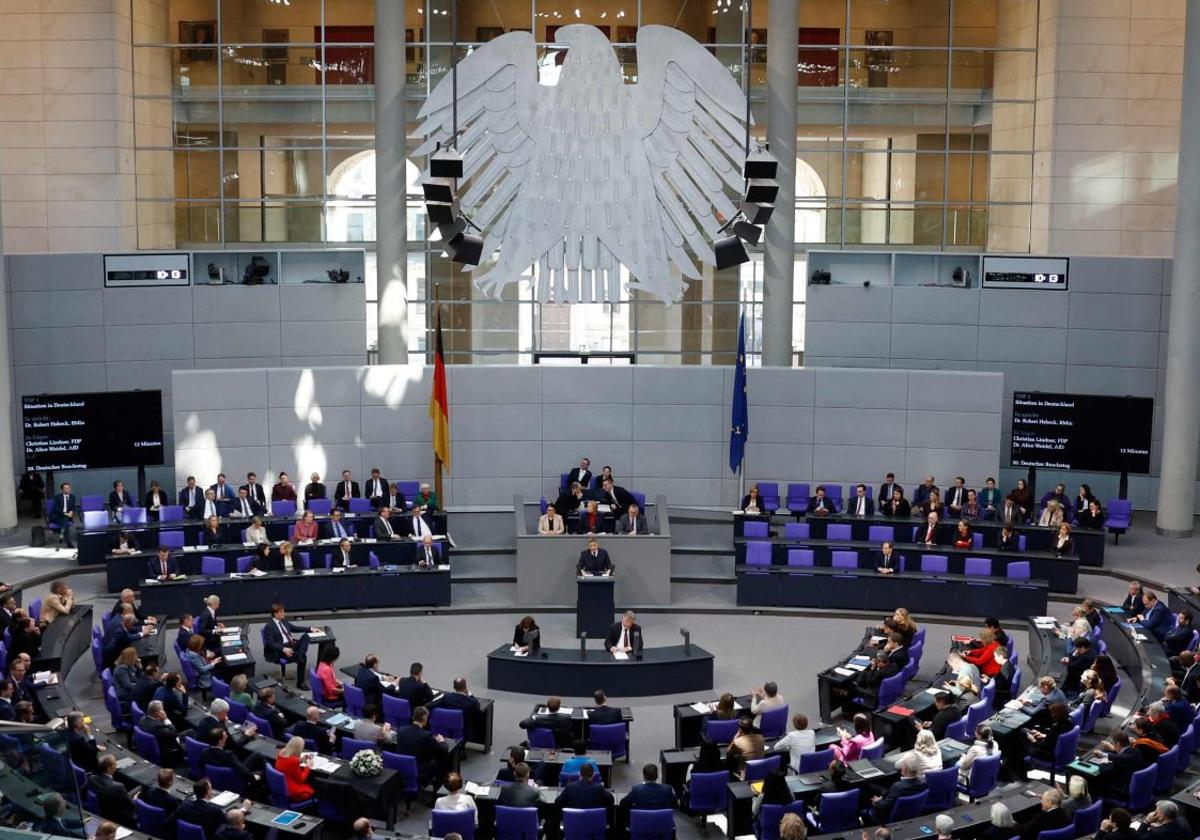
{"type": "Point", "coordinates": [366, 763]}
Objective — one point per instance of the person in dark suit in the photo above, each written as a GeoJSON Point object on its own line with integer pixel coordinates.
{"type": "Point", "coordinates": [1081, 658]}
{"type": "Point", "coordinates": [617, 497]}
{"type": "Point", "coordinates": [155, 722]}
{"type": "Point", "coordinates": [1180, 636]}
{"type": "Point", "coordinates": [254, 490]}
{"type": "Point", "coordinates": [114, 800]}
{"type": "Point", "coordinates": [907, 785]}
{"type": "Point", "coordinates": [886, 561]}
{"type": "Point", "coordinates": [1007, 540]}
{"type": "Point", "coordinates": [594, 560]}
{"type": "Point", "coordinates": [377, 488]}
{"type": "Point", "coordinates": [7, 688]}
{"type": "Point", "coordinates": [416, 525]}
{"type": "Point", "coordinates": [649, 795]}
{"type": "Point", "coordinates": [413, 688]}
{"type": "Point", "coordinates": [527, 635]}
{"type": "Point", "coordinates": [173, 696]}
{"type": "Point", "coordinates": [552, 719]}
{"type": "Point", "coordinates": [897, 507]}
{"type": "Point", "coordinates": [430, 750]}
{"type": "Point", "coordinates": [160, 796]}
{"type": "Point", "coordinates": [1117, 826]}
{"type": "Point", "coordinates": [947, 713]}
{"type": "Point", "coordinates": [519, 794]}
{"type": "Point", "coordinates": [123, 542]}
{"type": "Point", "coordinates": [223, 490]}
{"type": "Point", "coordinates": [266, 709]}
{"type": "Point", "coordinates": [310, 729]}
{"type": "Point", "coordinates": [862, 504]}
{"type": "Point", "coordinates": [625, 635]}
{"type": "Point", "coordinates": [586, 792]}
{"type": "Point", "coordinates": [383, 528]}
{"type": "Point", "coordinates": [603, 713]}
{"type": "Point", "coordinates": [64, 513]}
{"type": "Point", "coordinates": [200, 811]}
{"type": "Point", "coordinates": [929, 533]}
{"type": "Point", "coordinates": [581, 475]}
{"type": "Point", "coordinates": [1155, 617]}
{"type": "Point", "coordinates": [590, 520]}
{"type": "Point", "coordinates": [213, 532]}
{"type": "Point", "coordinates": [191, 499]}
{"type": "Point", "coordinates": [921, 494]}
{"type": "Point", "coordinates": [1002, 678]}
{"type": "Point", "coordinates": [120, 637]}
{"type": "Point", "coordinates": [163, 566]}
{"type": "Point", "coordinates": [1164, 823]}
{"type": "Point", "coordinates": [208, 625]}
{"type": "Point", "coordinates": [314, 489]}
{"type": "Point", "coordinates": [52, 822]}
{"type": "Point", "coordinates": [119, 498]}
{"type": "Point", "coordinates": [633, 522]}
{"type": "Point", "coordinates": [459, 698]}
{"type": "Point", "coordinates": [1132, 605]}
{"type": "Point", "coordinates": [148, 683]}
{"type": "Point", "coordinates": [1049, 817]}
{"type": "Point", "coordinates": [956, 497]}
{"type": "Point", "coordinates": [1189, 679]}
{"type": "Point", "coordinates": [246, 507]}
{"type": "Point", "coordinates": [820, 505]}
{"type": "Point", "coordinates": [346, 490]}
{"type": "Point", "coordinates": [235, 826]}
{"type": "Point", "coordinates": [217, 754]}
{"type": "Point", "coordinates": [887, 489]}
{"type": "Point", "coordinates": [283, 639]}
{"type": "Point", "coordinates": [369, 681]}
{"type": "Point", "coordinates": [80, 744]}
{"type": "Point", "coordinates": [569, 500]}
{"type": "Point", "coordinates": [394, 499]}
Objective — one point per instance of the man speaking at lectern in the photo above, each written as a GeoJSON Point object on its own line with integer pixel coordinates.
{"type": "Point", "coordinates": [624, 636]}
{"type": "Point", "coordinates": [594, 560]}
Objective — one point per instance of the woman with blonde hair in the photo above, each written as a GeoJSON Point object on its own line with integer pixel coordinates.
{"type": "Point", "coordinates": [295, 767]}
{"type": "Point", "coordinates": [1052, 515]}
{"type": "Point", "coordinates": [927, 753]}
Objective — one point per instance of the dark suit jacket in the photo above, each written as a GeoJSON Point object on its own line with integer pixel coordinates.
{"type": "Point", "coordinates": [421, 744]}
{"type": "Point", "coordinates": [60, 509]}
{"type": "Point", "coordinates": [83, 751]}
{"type": "Point", "coordinates": [602, 525]}
{"type": "Point", "coordinates": [851, 505]}
{"type": "Point", "coordinates": [257, 493]}
{"type": "Point", "coordinates": [174, 706]}
{"type": "Point", "coordinates": [1009, 543]}
{"type": "Point", "coordinates": [206, 625]}
{"type": "Point", "coordinates": [623, 526]}
{"type": "Point", "coordinates": [273, 641]}
{"type": "Point", "coordinates": [594, 565]}
{"type": "Point", "coordinates": [923, 534]}
{"type": "Point", "coordinates": [208, 537]}
{"type": "Point", "coordinates": [956, 497]}
{"type": "Point", "coordinates": [143, 691]}
{"type": "Point", "coordinates": [1076, 665]}
{"type": "Point", "coordinates": [878, 561]}
{"type": "Point", "coordinates": [583, 794]}
{"type": "Point", "coordinates": [567, 503]}
{"type": "Point", "coordinates": [163, 731]}
{"type": "Point", "coordinates": [518, 796]}
{"type": "Point", "coordinates": [368, 682]}
{"type": "Point", "coordinates": [559, 724]}
{"type": "Point", "coordinates": [116, 641]}
{"type": "Point", "coordinates": [1176, 829]}
{"type": "Point", "coordinates": [1159, 620]}
{"type": "Point", "coordinates": [942, 719]}
{"type": "Point", "coordinates": [885, 492]}
{"type": "Point", "coordinates": [315, 732]}
{"type": "Point", "coordinates": [903, 787]}
{"type": "Point", "coordinates": [273, 715]}
{"type": "Point", "coordinates": [454, 700]}
{"type": "Point", "coordinates": [601, 715]}
{"type": "Point", "coordinates": [613, 637]}
{"type": "Point", "coordinates": [380, 532]}
{"type": "Point", "coordinates": [922, 493]}
{"type": "Point", "coordinates": [192, 511]}
{"type": "Point", "coordinates": [898, 509]}
{"type": "Point", "coordinates": [154, 568]}
{"type": "Point", "coordinates": [224, 494]}
{"type": "Point", "coordinates": [375, 494]}
{"type": "Point", "coordinates": [314, 490]}
{"type": "Point", "coordinates": [624, 498]}
{"type": "Point", "coordinates": [205, 814]}
{"type": "Point", "coordinates": [1177, 639]}
{"type": "Point", "coordinates": [159, 798]}
{"type": "Point", "coordinates": [120, 500]}
{"type": "Point", "coordinates": [257, 508]}
{"type": "Point", "coordinates": [131, 540]}
{"type": "Point", "coordinates": [417, 693]}
{"type": "Point", "coordinates": [584, 477]}
{"type": "Point", "coordinates": [406, 527]}
{"type": "Point", "coordinates": [114, 800]}
{"type": "Point", "coordinates": [225, 758]}
{"type": "Point", "coordinates": [1044, 821]}
{"type": "Point", "coordinates": [649, 796]}
{"type": "Point", "coordinates": [339, 492]}
{"type": "Point", "coordinates": [815, 504]}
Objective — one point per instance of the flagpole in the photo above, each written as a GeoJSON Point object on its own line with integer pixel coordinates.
{"type": "Point", "coordinates": [742, 464]}
{"type": "Point", "coordinates": [437, 459]}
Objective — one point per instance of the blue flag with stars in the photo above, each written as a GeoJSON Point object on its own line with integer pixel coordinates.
{"type": "Point", "coordinates": [739, 427]}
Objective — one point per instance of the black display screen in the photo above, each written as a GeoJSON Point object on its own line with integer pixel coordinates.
{"type": "Point", "coordinates": [1087, 432]}
{"type": "Point", "coordinates": [92, 431]}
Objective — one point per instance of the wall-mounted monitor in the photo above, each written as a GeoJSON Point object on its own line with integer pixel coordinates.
{"type": "Point", "coordinates": [92, 431]}
{"type": "Point", "coordinates": [1087, 432]}
{"type": "Point", "coordinates": [150, 269]}
{"type": "Point", "coordinates": [1038, 273]}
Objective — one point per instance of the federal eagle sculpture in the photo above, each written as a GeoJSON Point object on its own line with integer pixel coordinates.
{"type": "Point", "coordinates": [592, 172]}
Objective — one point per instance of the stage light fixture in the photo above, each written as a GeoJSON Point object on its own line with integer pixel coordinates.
{"type": "Point", "coordinates": [446, 163]}
{"type": "Point", "coordinates": [730, 252]}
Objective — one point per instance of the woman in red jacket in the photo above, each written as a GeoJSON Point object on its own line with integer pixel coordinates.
{"type": "Point", "coordinates": [295, 768]}
{"type": "Point", "coordinates": [984, 656]}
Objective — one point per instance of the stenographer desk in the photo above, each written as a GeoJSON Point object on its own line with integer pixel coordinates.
{"type": "Point", "coordinates": [546, 564]}
{"type": "Point", "coordinates": [128, 571]}
{"type": "Point", "coordinates": [320, 589]}
{"type": "Point", "coordinates": [66, 639]}
{"type": "Point", "coordinates": [860, 589]}
{"type": "Point", "coordinates": [94, 542]}
{"type": "Point", "coordinates": [663, 670]}
{"type": "Point", "coordinates": [1144, 660]}
{"type": "Point", "coordinates": [1061, 572]}
{"type": "Point", "coordinates": [1089, 543]}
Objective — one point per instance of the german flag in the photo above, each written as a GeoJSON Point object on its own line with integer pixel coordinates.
{"type": "Point", "coordinates": [439, 403]}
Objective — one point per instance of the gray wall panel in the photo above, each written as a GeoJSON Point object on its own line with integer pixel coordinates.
{"type": "Point", "coordinates": [232, 341]}
{"type": "Point", "coordinates": [333, 424]}
{"type": "Point", "coordinates": [918, 341]}
{"type": "Point", "coordinates": [400, 461]}
{"type": "Point", "coordinates": [677, 460]}
{"type": "Point", "coordinates": [854, 340]}
{"type": "Point", "coordinates": [952, 430]}
{"type": "Point", "coordinates": [335, 338]}
{"type": "Point", "coordinates": [1117, 275]}
{"type": "Point", "coordinates": [678, 386]}
{"type": "Point", "coordinates": [1115, 348]}
{"type": "Point", "coordinates": [781, 386]}
{"type": "Point", "coordinates": [63, 309]}
{"type": "Point", "coordinates": [148, 342]}
{"type": "Point", "coordinates": [402, 423]}
{"type": "Point", "coordinates": [55, 272]}
{"type": "Point", "coordinates": [1021, 344]}
{"type": "Point", "coordinates": [389, 385]}
{"type": "Point", "coordinates": [495, 422]}
{"type": "Point", "coordinates": [773, 423]}
{"type": "Point", "coordinates": [1004, 307]}
{"type": "Point", "coordinates": [56, 379]}
{"type": "Point", "coordinates": [587, 421]}
{"type": "Point", "coordinates": [161, 305]}
{"type": "Point", "coordinates": [493, 385]}
{"type": "Point", "coordinates": [953, 391]}
{"type": "Point", "coordinates": [237, 363]}
{"type": "Point", "coordinates": [322, 303]}
{"type": "Point", "coordinates": [290, 387]}
{"type": "Point", "coordinates": [484, 459]}
{"type": "Point", "coordinates": [1087, 379]}
{"type": "Point", "coordinates": [232, 427]}
{"type": "Point", "coordinates": [861, 389]}
{"type": "Point", "coordinates": [602, 384]}
{"type": "Point", "coordinates": [921, 305]}
{"type": "Point", "coordinates": [222, 389]}
{"type": "Point", "coordinates": [235, 304]}
{"type": "Point", "coordinates": [943, 464]}
{"type": "Point", "coordinates": [1115, 312]}
{"type": "Point", "coordinates": [207, 462]}
{"type": "Point", "coordinates": [780, 461]}
{"type": "Point", "coordinates": [869, 426]}
{"type": "Point", "coordinates": [680, 422]}
{"type": "Point", "coordinates": [847, 464]}
{"type": "Point", "coordinates": [832, 303]}
{"type": "Point", "coordinates": [328, 460]}
{"type": "Point", "coordinates": [67, 345]}
{"type": "Point", "coordinates": [128, 376]}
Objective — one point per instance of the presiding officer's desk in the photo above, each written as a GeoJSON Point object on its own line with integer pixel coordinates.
{"type": "Point", "coordinates": [1061, 572]}
{"type": "Point", "coordinates": [319, 589]}
{"type": "Point", "coordinates": [546, 564]}
{"type": "Point", "coordinates": [661, 670]}
{"type": "Point", "coordinates": [94, 542]}
{"type": "Point", "coordinates": [127, 571]}
{"type": "Point", "coordinates": [1089, 542]}
{"type": "Point", "coordinates": [860, 589]}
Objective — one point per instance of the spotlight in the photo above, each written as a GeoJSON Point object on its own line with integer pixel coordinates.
{"type": "Point", "coordinates": [761, 190]}
{"type": "Point", "coordinates": [747, 232]}
{"type": "Point", "coordinates": [757, 214]}
{"type": "Point", "coordinates": [730, 252]}
{"type": "Point", "coordinates": [446, 163]}
{"type": "Point", "coordinates": [465, 248]}
{"type": "Point", "coordinates": [441, 213]}
{"type": "Point", "coordinates": [438, 189]}
{"type": "Point", "coordinates": [760, 164]}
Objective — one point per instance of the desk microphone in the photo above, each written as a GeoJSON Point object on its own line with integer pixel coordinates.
{"type": "Point", "coordinates": [583, 644]}
{"type": "Point", "coordinates": [687, 640]}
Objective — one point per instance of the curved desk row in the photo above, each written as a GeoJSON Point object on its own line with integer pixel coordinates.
{"type": "Point", "coordinates": [1061, 572]}
{"type": "Point", "coordinates": [665, 670]}
{"type": "Point", "coordinates": [1144, 661]}
{"type": "Point", "coordinates": [855, 589]}
{"type": "Point", "coordinates": [1089, 543]}
{"type": "Point", "coordinates": [129, 571]}
{"type": "Point", "coordinates": [321, 590]}
{"type": "Point", "coordinates": [94, 542]}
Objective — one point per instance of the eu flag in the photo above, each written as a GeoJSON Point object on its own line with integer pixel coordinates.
{"type": "Point", "coordinates": [739, 427]}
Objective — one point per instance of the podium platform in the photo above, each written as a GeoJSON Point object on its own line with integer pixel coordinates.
{"type": "Point", "coordinates": [594, 608]}
{"type": "Point", "coordinates": [665, 670]}
{"type": "Point", "coordinates": [546, 565]}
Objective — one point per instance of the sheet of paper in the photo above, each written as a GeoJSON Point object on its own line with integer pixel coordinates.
{"type": "Point", "coordinates": [235, 658]}
{"type": "Point", "coordinates": [845, 672]}
{"type": "Point", "coordinates": [520, 653]}
{"type": "Point", "coordinates": [620, 655]}
{"type": "Point", "coordinates": [225, 797]}
{"type": "Point", "coordinates": [476, 790]}
{"type": "Point", "coordinates": [854, 666]}
{"type": "Point", "coordinates": [256, 573]}
{"type": "Point", "coordinates": [701, 708]}
{"type": "Point", "coordinates": [562, 710]}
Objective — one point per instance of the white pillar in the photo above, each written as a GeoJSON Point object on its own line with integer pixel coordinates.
{"type": "Point", "coordinates": [8, 477]}
{"type": "Point", "coordinates": [1181, 407]}
{"type": "Point", "coordinates": [391, 227]}
{"type": "Point", "coordinates": [779, 250]}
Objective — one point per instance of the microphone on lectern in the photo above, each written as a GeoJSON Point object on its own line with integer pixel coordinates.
{"type": "Point", "coordinates": [583, 644]}
{"type": "Point", "coordinates": [687, 639]}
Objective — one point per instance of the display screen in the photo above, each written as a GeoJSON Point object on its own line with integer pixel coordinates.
{"type": "Point", "coordinates": [92, 431]}
{"type": "Point", "coordinates": [1086, 432]}
{"type": "Point", "coordinates": [151, 269]}
{"type": "Point", "coordinates": [1025, 272]}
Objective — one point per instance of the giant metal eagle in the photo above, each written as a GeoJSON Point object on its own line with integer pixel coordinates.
{"type": "Point", "coordinates": [592, 172]}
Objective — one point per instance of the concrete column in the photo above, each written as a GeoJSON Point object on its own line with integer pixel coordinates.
{"type": "Point", "coordinates": [390, 210]}
{"type": "Point", "coordinates": [8, 477]}
{"type": "Point", "coordinates": [1177, 484]}
{"type": "Point", "coordinates": [779, 250]}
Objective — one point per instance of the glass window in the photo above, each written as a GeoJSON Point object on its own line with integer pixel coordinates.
{"type": "Point", "coordinates": [897, 73]}
{"type": "Point", "coordinates": [908, 23]}
{"type": "Point", "coordinates": [268, 21]}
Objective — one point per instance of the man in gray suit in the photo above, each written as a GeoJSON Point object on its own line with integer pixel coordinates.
{"type": "Point", "coordinates": [633, 522]}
